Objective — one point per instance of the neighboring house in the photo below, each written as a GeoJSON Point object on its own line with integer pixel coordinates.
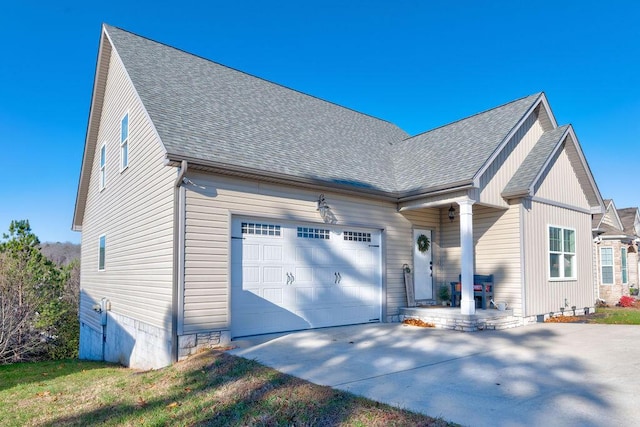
{"type": "Point", "coordinates": [214, 205]}
{"type": "Point", "coordinates": [616, 238]}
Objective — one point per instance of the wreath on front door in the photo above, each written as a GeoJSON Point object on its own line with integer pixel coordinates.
{"type": "Point", "coordinates": [423, 243]}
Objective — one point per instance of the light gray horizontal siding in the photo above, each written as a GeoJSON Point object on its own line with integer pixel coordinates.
{"type": "Point", "coordinates": [561, 182]}
{"type": "Point", "coordinates": [498, 239]}
{"type": "Point", "coordinates": [134, 211]}
{"type": "Point", "coordinates": [496, 236]}
{"type": "Point", "coordinates": [207, 238]}
{"type": "Point", "coordinates": [508, 161]}
{"type": "Point", "coordinates": [541, 294]}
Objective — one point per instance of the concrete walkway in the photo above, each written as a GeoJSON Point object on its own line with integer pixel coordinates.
{"type": "Point", "coordinates": [539, 375]}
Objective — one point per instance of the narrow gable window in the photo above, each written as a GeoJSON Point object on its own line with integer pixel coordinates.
{"type": "Point", "coordinates": [562, 253]}
{"type": "Point", "coordinates": [103, 166]}
{"type": "Point", "coordinates": [124, 142]}
{"type": "Point", "coordinates": [101, 252]}
{"type": "Point", "coordinates": [606, 266]}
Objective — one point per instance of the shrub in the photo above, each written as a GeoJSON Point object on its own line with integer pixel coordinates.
{"type": "Point", "coordinates": [626, 301]}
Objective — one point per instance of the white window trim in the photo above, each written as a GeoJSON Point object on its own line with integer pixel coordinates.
{"type": "Point", "coordinates": [624, 265]}
{"type": "Point", "coordinates": [102, 236]}
{"type": "Point", "coordinates": [561, 268]}
{"type": "Point", "coordinates": [103, 167]}
{"type": "Point", "coordinates": [126, 141]}
{"type": "Point", "coordinates": [613, 267]}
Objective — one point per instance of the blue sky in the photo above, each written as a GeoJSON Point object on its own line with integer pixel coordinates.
{"type": "Point", "coordinates": [418, 64]}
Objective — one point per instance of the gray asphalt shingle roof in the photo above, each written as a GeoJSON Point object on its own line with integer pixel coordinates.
{"type": "Point", "coordinates": [208, 112]}
{"type": "Point", "coordinates": [204, 110]}
{"type": "Point", "coordinates": [456, 152]}
{"type": "Point", "coordinates": [628, 218]}
{"type": "Point", "coordinates": [532, 165]}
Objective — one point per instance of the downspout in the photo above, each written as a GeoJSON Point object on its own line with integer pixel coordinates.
{"type": "Point", "coordinates": [178, 256]}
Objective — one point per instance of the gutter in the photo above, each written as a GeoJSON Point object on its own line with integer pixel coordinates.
{"type": "Point", "coordinates": [178, 256]}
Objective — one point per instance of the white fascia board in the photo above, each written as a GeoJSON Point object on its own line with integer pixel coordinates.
{"type": "Point", "coordinates": [89, 142]}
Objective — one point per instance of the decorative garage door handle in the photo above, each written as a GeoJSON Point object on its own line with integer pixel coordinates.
{"type": "Point", "coordinates": [338, 278]}
{"type": "Point", "coordinates": [290, 278]}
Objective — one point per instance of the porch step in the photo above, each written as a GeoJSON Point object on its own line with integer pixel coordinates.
{"type": "Point", "coordinates": [451, 318]}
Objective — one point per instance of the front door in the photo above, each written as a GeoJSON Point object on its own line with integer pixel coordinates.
{"type": "Point", "coordinates": [422, 267]}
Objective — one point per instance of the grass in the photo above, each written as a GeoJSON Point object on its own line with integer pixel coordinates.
{"type": "Point", "coordinates": [212, 388]}
{"type": "Point", "coordinates": [617, 316]}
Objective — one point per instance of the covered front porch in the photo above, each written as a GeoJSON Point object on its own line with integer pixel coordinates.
{"type": "Point", "coordinates": [469, 253]}
{"type": "Point", "coordinates": [452, 318]}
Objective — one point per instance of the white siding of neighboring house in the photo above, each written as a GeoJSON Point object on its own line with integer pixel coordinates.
{"type": "Point", "coordinates": [541, 294]}
{"type": "Point", "coordinates": [504, 166]}
{"type": "Point", "coordinates": [135, 212]}
{"type": "Point", "coordinates": [496, 235]}
{"type": "Point", "coordinates": [213, 200]}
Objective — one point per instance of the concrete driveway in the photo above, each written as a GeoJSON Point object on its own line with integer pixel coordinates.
{"type": "Point", "coordinates": [538, 375]}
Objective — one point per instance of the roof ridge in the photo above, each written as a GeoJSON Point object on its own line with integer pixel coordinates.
{"type": "Point", "coordinates": [537, 95]}
{"type": "Point", "coordinates": [252, 75]}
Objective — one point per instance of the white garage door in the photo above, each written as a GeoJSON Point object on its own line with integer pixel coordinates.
{"type": "Point", "coordinates": [288, 277]}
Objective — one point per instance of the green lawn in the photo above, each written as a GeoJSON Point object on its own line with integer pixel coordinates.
{"type": "Point", "coordinates": [617, 316]}
{"type": "Point", "coordinates": [211, 388]}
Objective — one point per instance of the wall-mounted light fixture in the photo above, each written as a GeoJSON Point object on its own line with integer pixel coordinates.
{"type": "Point", "coordinates": [452, 213]}
{"type": "Point", "coordinates": [323, 207]}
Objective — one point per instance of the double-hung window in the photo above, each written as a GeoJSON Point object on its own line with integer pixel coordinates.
{"type": "Point", "coordinates": [124, 142]}
{"type": "Point", "coordinates": [623, 265]}
{"type": "Point", "coordinates": [103, 166]}
{"type": "Point", "coordinates": [606, 266]}
{"type": "Point", "coordinates": [562, 253]}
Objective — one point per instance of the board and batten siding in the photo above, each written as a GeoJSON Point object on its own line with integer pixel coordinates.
{"type": "Point", "coordinates": [543, 295]}
{"type": "Point", "coordinates": [214, 199]}
{"type": "Point", "coordinates": [135, 213]}
{"type": "Point", "coordinates": [497, 241]}
{"type": "Point", "coordinates": [560, 183]}
{"type": "Point", "coordinates": [505, 165]}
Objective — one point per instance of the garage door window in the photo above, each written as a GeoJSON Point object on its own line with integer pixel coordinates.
{"type": "Point", "coordinates": [261, 229]}
{"type": "Point", "coordinates": [357, 236]}
{"type": "Point", "coordinates": [313, 233]}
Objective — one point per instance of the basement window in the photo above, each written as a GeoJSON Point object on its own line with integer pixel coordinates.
{"type": "Point", "coordinates": [101, 252]}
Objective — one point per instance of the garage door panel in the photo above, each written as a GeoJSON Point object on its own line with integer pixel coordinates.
{"type": "Point", "coordinates": [272, 253]}
{"type": "Point", "coordinates": [273, 274]}
{"type": "Point", "coordinates": [273, 295]}
{"type": "Point", "coordinates": [303, 277]}
{"type": "Point", "coordinates": [251, 274]}
{"type": "Point", "coordinates": [324, 255]}
{"type": "Point", "coordinates": [250, 252]}
{"type": "Point", "coordinates": [304, 297]}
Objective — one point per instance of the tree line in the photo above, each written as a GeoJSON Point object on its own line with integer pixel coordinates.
{"type": "Point", "coordinates": [38, 297]}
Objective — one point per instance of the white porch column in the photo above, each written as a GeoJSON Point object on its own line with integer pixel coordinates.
{"type": "Point", "coordinates": [467, 303]}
